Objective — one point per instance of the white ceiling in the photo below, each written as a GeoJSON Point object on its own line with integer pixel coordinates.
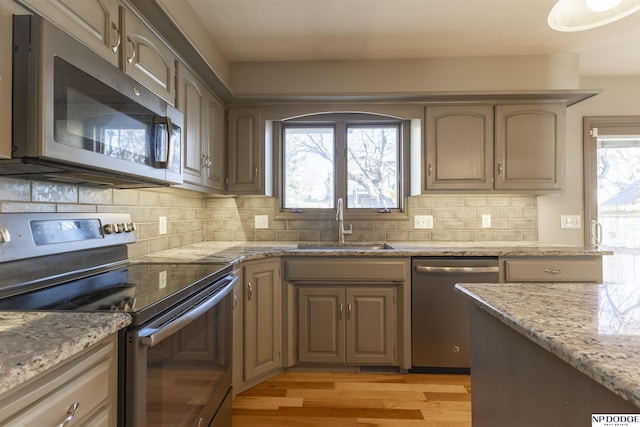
{"type": "Point", "coordinates": [302, 30]}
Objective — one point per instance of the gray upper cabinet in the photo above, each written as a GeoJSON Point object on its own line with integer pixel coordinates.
{"type": "Point", "coordinates": [530, 147]}
{"type": "Point", "coordinates": [214, 148]}
{"type": "Point", "coordinates": [116, 33]}
{"type": "Point", "coordinates": [190, 101]}
{"type": "Point", "coordinates": [503, 147]}
{"type": "Point", "coordinates": [95, 22]}
{"type": "Point", "coordinates": [146, 57]}
{"type": "Point", "coordinates": [459, 154]}
{"type": "Point", "coordinates": [204, 162]}
{"type": "Point", "coordinates": [247, 167]}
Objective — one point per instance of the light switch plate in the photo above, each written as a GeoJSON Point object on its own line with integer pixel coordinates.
{"type": "Point", "coordinates": [262, 221]}
{"type": "Point", "coordinates": [162, 225]}
{"type": "Point", "coordinates": [423, 221]}
{"type": "Point", "coordinates": [570, 221]}
{"type": "Point", "coordinates": [486, 221]}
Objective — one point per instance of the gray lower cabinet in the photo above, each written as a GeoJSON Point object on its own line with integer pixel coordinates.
{"type": "Point", "coordinates": [352, 325]}
{"type": "Point", "coordinates": [552, 269]}
{"type": "Point", "coordinates": [262, 318]}
{"type": "Point", "coordinates": [86, 386]}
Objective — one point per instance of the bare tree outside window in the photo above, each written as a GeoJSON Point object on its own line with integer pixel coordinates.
{"type": "Point", "coordinates": [365, 175]}
{"type": "Point", "coordinates": [372, 167]}
{"type": "Point", "coordinates": [309, 167]}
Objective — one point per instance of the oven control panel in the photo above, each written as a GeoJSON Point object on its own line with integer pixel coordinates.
{"type": "Point", "coordinates": [27, 235]}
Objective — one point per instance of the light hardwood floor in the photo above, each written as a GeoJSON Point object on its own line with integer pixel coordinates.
{"type": "Point", "coordinates": [304, 399]}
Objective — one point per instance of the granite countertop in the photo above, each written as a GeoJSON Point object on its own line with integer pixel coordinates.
{"type": "Point", "coordinates": [593, 327]}
{"type": "Point", "coordinates": [32, 342]}
{"type": "Point", "coordinates": [236, 252]}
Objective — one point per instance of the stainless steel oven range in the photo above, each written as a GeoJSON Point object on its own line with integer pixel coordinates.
{"type": "Point", "coordinates": [174, 359]}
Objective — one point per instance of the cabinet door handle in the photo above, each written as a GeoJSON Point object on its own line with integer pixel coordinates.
{"type": "Point", "coordinates": [500, 168]}
{"type": "Point", "coordinates": [235, 300]}
{"type": "Point", "coordinates": [555, 271]}
{"type": "Point", "coordinates": [70, 414]}
{"type": "Point", "coordinates": [349, 307]}
{"type": "Point", "coordinates": [257, 170]}
{"type": "Point", "coordinates": [340, 311]}
{"type": "Point", "coordinates": [115, 47]}
{"type": "Point", "coordinates": [429, 169]}
{"type": "Point", "coordinates": [249, 290]}
{"type": "Point", "coordinates": [133, 50]}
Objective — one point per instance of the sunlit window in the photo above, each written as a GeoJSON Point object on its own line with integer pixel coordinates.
{"type": "Point", "coordinates": [356, 161]}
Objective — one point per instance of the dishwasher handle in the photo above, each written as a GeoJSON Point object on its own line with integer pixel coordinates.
{"type": "Point", "coordinates": [456, 270]}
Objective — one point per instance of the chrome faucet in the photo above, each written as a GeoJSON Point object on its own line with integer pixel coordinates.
{"type": "Point", "coordinates": [340, 218]}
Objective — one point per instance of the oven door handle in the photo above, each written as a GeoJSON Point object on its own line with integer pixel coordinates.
{"type": "Point", "coordinates": [152, 336]}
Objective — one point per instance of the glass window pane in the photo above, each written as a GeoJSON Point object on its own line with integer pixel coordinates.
{"type": "Point", "coordinates": [308, 159]}
{"type": "Point", "coordinates": [372, 166]}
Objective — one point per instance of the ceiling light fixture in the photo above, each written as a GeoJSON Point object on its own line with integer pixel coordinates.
{"type": "Point", "coordinates": [578, 15]}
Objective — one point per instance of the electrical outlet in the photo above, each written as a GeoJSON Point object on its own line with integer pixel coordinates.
{"type": "Point", "coordinates": [262, 221]}
{"type": "Point", "coordinates": [486, 221]}
{"type": "Point", "coordinates": [570, 221]}
{"type": "Point", "coordinates": [162, 225]}
{"type": "Point", "coordinates": [423, 221]}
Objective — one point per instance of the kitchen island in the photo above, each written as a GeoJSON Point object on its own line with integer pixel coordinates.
{"type": "Point", "coordinates": [553, 354]}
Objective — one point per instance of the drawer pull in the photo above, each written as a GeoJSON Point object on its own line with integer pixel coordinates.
{"type": "Point", "coordinates": [549, 271]}
{"type": "Point", "coordinates": [70, 414]}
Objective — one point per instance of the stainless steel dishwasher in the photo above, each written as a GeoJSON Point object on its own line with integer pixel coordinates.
{"type": "Point", "coordinates": [439, 316]}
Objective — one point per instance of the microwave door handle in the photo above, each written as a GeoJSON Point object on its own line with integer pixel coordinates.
{"type": "Point", "coordinates": [163, 146]}
{"type": "Point", "coordinates": [152, 336]}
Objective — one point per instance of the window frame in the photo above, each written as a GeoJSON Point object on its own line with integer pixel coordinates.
{"type": "Point", "coordinates": [340, 122]}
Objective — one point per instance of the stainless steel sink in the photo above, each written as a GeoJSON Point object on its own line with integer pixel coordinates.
{"type": "Point", "coordinates": [363, 246]}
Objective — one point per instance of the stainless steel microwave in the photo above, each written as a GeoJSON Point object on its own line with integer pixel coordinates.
{"type": "Point", "coordinates": [79, 119]}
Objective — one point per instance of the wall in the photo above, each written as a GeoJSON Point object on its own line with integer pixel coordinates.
{"type": "Point", "coordinates": [410, 76]}
{"type": "Point", "coordinates": [620, 96]}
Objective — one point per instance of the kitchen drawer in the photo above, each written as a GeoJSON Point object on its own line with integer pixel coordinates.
{"type": "Point", "coordinates": [554, 270]}
{"type": "Point", "coordinates": [88, 380]}
{"type": "Point", "coordinates": [384, 270]}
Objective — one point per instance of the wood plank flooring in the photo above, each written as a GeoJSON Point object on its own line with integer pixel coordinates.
{"type": "Point", "coordinates": [304, 399]}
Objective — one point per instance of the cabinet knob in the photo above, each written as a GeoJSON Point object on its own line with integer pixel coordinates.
{"type": "Point", "coordinates": [429, 169]}
{"type": "Point", "coordinates": [340, 311]}
{"type": "Point", "coordinates": [249, 291]}
{"type": "Point", "coordinates": [500, 168]}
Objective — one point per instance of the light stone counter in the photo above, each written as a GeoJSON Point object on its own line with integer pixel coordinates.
{"type": "Point", "coordinates": [593, 327]}
{"type": "Point", "coordinates": [236, 252]}
{"type": "Point", "coordinates": [33, 342]}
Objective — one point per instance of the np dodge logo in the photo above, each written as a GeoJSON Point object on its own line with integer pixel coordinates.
{"type": "Point", "coordinates": [615, 420]}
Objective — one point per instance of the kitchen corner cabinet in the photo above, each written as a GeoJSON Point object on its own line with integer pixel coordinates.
{"type": "Point", "coordinates": [517, 147]}
{"type": "Point", "coordinates": [530, 147]}
{"type": "Point", "coordinates": [459, 147]}
{"type": "Point", "coordinates": [262, 317]}
{"type": "Point", "coordinates": [352, 325]}
{"type": "Point", "coordinates": [248, 167]}
{"type": "Point", "coordinates": [203, 133]}
{"type": "Point", "coordinates": [87, 383]}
